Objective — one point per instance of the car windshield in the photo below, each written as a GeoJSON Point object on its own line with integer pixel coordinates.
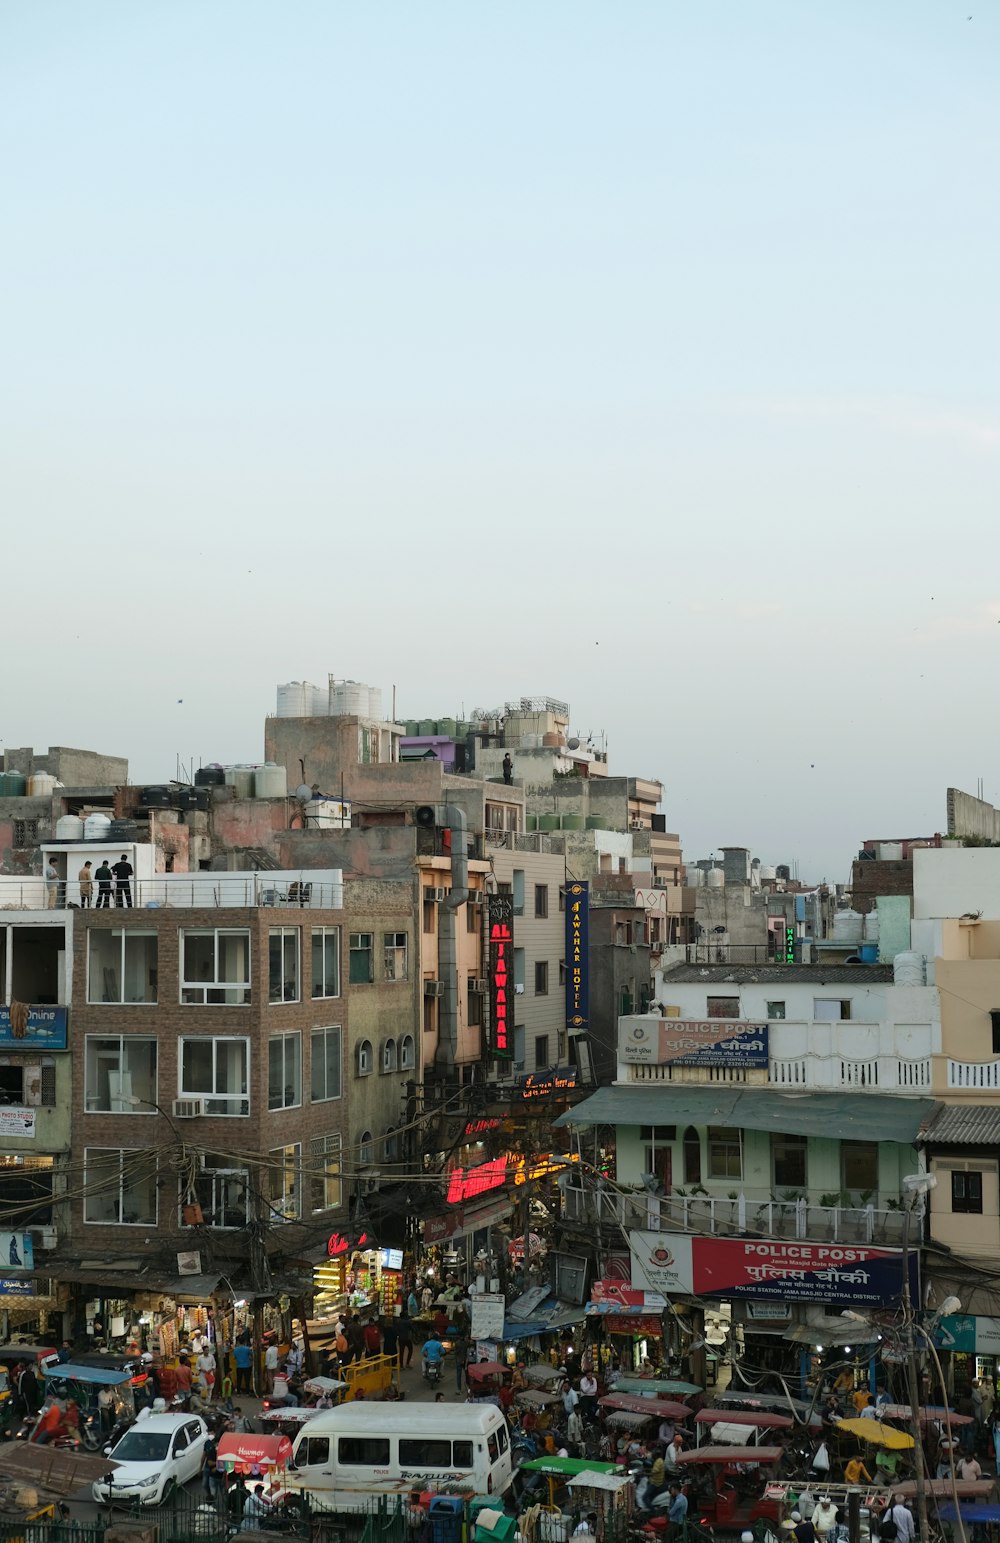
{"type": "Point", "coordinates": [140, 1446]}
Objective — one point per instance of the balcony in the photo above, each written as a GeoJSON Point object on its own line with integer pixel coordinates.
{"type": "Point", "coordinates": [751, 1214]}
{"type": "Point", "coordinates": [318, 889]}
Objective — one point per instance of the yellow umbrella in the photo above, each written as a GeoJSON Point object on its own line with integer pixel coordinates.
{"type": "Point", "coordinates": [878, 1434]}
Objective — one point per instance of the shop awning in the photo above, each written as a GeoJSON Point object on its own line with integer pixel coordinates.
{"type": "Point", "coordinates": [843, 1116]}
{"type": "Point", "coordinates": [851, 1333]}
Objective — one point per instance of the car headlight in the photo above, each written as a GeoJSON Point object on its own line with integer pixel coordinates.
{"type": "Point", "coordinates": [147, 1483]}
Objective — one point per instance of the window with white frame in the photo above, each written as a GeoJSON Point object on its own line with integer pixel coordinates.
{"type": "Point", "coordinates": [395, 955]}
{"type": "Point", "coordinates": [119, 1075]}
{"type": "Point", "coordinates": [215, 1070]}
{"type": "Point", "coordinates": [366, 1059]}
{"type": "Point", "coordinates": [122, 966]}
{"type": "Point", "coordinates": [326, 962]}
{"type": "Point", "coordinates": [284, 1171]}
{"type": "Point", "coordinates": [215, 966]}
{"type": "Point", "coordinates": [361, 961]}
{"type": "Point", "coordinates": [326, 1046]}
{"type": "Point", "coordinates": [223, 1191]}
{"type": "Point", "coordinates": [388, 1055]}
{"type": "Point", "coordinates": [407, 1055]}
{"type": "Point", "coordinates": [284, 1071]}
{"type": "Point", "coordinates": [325, 1173]}
{"type": "Point", "coordinates": [366, 1149]}
{"type": "Point", "coordinates": [725, 1152]}
{"type": "Point", "coordinates": [283, 964]}
{"type": "Point", "coordinates": [119, 1187]}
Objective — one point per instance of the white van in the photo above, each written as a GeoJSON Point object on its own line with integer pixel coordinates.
{"type": "Point", "coordinates": [345, 1456]}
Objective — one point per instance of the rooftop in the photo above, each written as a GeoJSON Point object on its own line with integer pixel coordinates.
{"type": "Point", "coordinates": [963, 1125]}
{"type": "Point", "coordinates": [844, 1116]}
{"type": "Point", "coordinates": [750, 974]}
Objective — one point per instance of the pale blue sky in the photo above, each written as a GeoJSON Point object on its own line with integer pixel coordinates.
{"type": "Point", "coordinates": [641, 354]}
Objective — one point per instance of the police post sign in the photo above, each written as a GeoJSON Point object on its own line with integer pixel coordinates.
{"type": "Point", "coordinates": [501, 985]}
{"type": "Point", "coordinates": [577, 963]}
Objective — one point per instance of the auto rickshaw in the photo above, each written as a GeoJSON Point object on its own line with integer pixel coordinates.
{"type": "Point", "coordinates": [489, 1383]}
{"type": "Point", "coordinates": [104, 1397]}
{"type": "Point", "coordinates": [728, 1485]}
{"type": "Point", "coordinates": [12, 1359]}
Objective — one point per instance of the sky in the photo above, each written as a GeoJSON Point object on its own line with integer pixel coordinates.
{"type": "Point", "coordinates": [642, 355]}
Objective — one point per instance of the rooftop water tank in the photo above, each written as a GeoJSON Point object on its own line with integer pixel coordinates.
{"type": "Point", "coordinates": [213, 776]}
{"type": "Point", "coordinates": [240, 779]}
{"type": "Point", "coordinates": [69, 827]}
{"type": "Point", "coordinates": [348, 699]}
{"type": "Point", "coordinates": [890, 851]}
{"type": "Point", "coordinates": [41, 785]}
{"type": "Point", "coordinates": [871, 927]}
{"type": "Point", "coordinates": [375, 703]}
{"type": "Point", "coordinates": [13, 784]}
{"type": "Point", "coordinates": [192, 798]}
{"type": "Point", "coordinates": [317, 700]}
{"type": "Point", "coordinates": [156, 797]}
{"type": "Point", "coordinates": [270, 781]}
{"type": "Point", "coordinates": [324, 814]}
{"type": "Point", "coordinates": [96, 827]}
{"type": "Point", "coordinates": [292, 699]}
{"type": "Point", "coordinates": [767, 872]}
{"type": "Point", "coordinates": [715, 878]}
{"type": "Point", "coordinates": [909, 969]}
{"type": "Point", "coordinates": [695, 878]}
{"type": "Point", "coordinates": [122, 830]}
{"type": "Point", "coordinates": [848, 926]}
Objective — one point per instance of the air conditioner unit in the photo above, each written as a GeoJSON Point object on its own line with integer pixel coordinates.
{"type": "Point", "coordinates": [519, 991]}
{"type": "Point", "coordinates": [636, 825]}
{"type": "Point", "coordinates": [435, 894]}
{"type": "Point", "coordinates": [370, 1183]}
{"type": "Point", "coordinates": [47, 1238]}
{"type": "Point", "coordinates": [478, 983]}
{"type": "Point", "coordinates": [477, 897]}
{"type": "Point", "coordinates": [188, 1108]}
{"type": "Point", "coordinates": [433, 988]}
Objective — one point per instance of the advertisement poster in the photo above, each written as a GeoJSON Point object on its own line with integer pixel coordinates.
{"type": "Point", "coordinates": [577, 958]}
{"type": "Point", "coordinates": [689, 1042]}
{"type": "Point", "coordinates": [853, 1274]}
{"type": "Point", "coordinates": [16, 1122]}
{"type": "Point", "coordinates": [487, 1316]}
{"type": "Point", "coordinates": [965, 1332]}
{"type": "Point", "coordinates": [16, 1252]}
{"type": "Point", "coordinates": [23, 1027]}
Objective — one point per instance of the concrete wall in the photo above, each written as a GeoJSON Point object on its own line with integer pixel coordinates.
{"type": "Point", "coordinates": [970, 816]}
{"type": "Point", "coordinates": [951, 881]}
{"type": "Point", "coordinates": [540, 939]}
{"type": "Point", "coordinates": [977, 1234]}
{"type": "Point", "coordinates": [614, 969]}
{"type": "Point", "coordinates": [73, 768]}
{"type": "Point", "coordinates": [893, 926]}
{"type": "Point", "coordinates": [872, 878]}
{"type": "Point", "coordinates": [17, 856]}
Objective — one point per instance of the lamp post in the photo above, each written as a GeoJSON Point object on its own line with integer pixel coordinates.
{"type": "Point", "coordinates": [915, 1185]}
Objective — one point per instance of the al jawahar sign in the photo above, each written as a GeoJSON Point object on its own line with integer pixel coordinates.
{"type": "Point", "coordinates": [678, 1264]}
{"type": "Point", "coordinates": [691, 1042]}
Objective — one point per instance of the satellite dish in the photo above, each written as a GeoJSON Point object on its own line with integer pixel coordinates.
{"type": "Point", "coordinates": [573, 744]}
{"type": "Point", "coordinates": [303, 793]}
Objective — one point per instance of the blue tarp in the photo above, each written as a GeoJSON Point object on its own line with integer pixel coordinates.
{"type": "Point", "coordinates": [970, 1513]}
{"type": "Point", "coordinates": [67, 1371]}
{"type": "Point", "coordinates": [515, 1331]}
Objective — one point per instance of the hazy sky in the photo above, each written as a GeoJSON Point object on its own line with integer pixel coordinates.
{"type": "Point", "coordinates": [641, 354]}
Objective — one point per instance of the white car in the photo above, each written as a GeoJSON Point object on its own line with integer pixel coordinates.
{"type": "Point", "coordinates": [155, 1457]}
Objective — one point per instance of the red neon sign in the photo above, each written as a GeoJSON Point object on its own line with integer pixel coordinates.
{"type": "Point", "coordinates": [337, 1244]}
{"type": "Point", "coordinates": [466, 1184]}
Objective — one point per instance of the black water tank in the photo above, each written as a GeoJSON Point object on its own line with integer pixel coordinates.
{"type": "Point", "coordinates": [155, 798]}
{"type": "Point", "coordinates": [191, 798]}
{"type": "Point", "coordinates": [210, 777]}
{"type": "Point", "coordinates": [122, 830]}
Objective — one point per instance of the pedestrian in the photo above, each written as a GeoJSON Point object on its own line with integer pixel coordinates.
{"type": "Point", "coordinates": [206, 1372]}
{"type": "Point", "coordinates": [570, 1397]}
{"type": "Point", "coordinates": [270, 1366]}
{"type": "Point", "coordinates": [390, 1337]}
{"type": "Point", "coordinates": [404, 1333]}
{"type": "Point", "coordinates": [183, 1375]}
{"type": "Point", "coordinates": [855, 1472]}
{"type": "Point", "coordinates": [51, 884]}
{"type": "Point", "coordinates": [903, 1517]}
{"type": "Point", "coordinates": [355, 1336]}
{"type": "Point", "coordinates": [86, 879]}
{"type": "Point", "coordinates": [588, 1399]}
{"type": "Point", "coordinates": [461, 1347]}
{"type": "Point", "coordinates": [243, 1358]}
{"type": "Point", "coordinates": [413, 1304]}
{"type": "Point", "coordinates": [104, 878]}
{"type": "Point", "coordinates": [372, 1338]}
{"type": "Point", "coordinates": [824, 1517]}
{"type": "Point", "coordinates": [255, 1509]}
{"type": "Point", "coordinates": [968, 1467]}
{"type": "Point", "coordinates": [210, 1479]}
{"type": "Point", "coordinates": [123, 871]}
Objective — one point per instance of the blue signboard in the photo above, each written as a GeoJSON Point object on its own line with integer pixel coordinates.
{"type": "Point", "coordinates": [577, 959]}
{"type": "Point", "coordinates": [692, 1042]}
{"type": "Point", "coordinates": [23, 1027]}
{"type": "Point", "coordinates": [10, 1286]}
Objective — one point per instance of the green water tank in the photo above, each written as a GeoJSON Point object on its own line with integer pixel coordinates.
{"type": "Point", "coordinates": [531, 822]}
{"type": "Point", "coordinates": [13, 784]}
{"type": "Point", "coordinates": [572, 822]}
{"type": "Point", "coordinates": [548, 822]}
{"type": "Point", "coordinates": [594, 822]}
{"type": "Point", "coordinates": [447, 726]}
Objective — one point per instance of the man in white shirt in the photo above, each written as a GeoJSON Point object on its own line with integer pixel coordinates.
{"type": "Point", "coordinates": [270, 1365]}
{"type": "Point", "coordinates": [903, 1517]}
{"type": "Point", "coordinates": [588, 1394]}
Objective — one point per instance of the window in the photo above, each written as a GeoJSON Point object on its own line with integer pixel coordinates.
{"type": "Point", "coordinates": [366, 1059]}
{"type": "Point", "coordinates": [424, 1452]}
{"type": "Point", "coordinates": [366, 1149]}
{"type": "Point", "coordinates": [463, 1452]}
{"type": "Point", "coordinates": [430, 910]}
{"type": "Point", "coordinates": [215, 1071]}
{"type": "Point", "coordinates": [474, 1008]}
{"type": "Point", "coordinates": [541, 1052]}
{"type": "Point", "coordinates": [967, 1193]}
{"type": "Point", "coordinates": [472, 917]}
{"type": "Point", "coordinates": [223, 1191]}
{"type": "Point", "coordinates": [312, 1452]}
{"type": "Point", "coordinates": [283, 964]}
{"type": "Point", "coordinates": [215, 966]}
{"type": "Point", "coordinates": [26, 1187]}
{"type": "Point", "coordinates": [725, 1153]}
{"type": "Point", "coordinates": [120, 1187]}
{"type": "Point", "coordinates": [388, 1055]}
{"type": "Point", "coordinates": [541, 977]}
{"type": "Point", "coordinates": [407, 1053]}
{"type": "Point", "coordinates": [776, 1011]}
{"type": "Point", "coordinates": [830, 1009]}
{"type": "Point", "coordinates": [325, 1193]}
{"type": "Point", "coordinates": [541, 900]}
{"type": "Point", "coordinates": [121, 966]}
{"type": "Point", "coordinates": [518, 891]}
{"type": "Point", "coordinates": [395, 955]}
{"type": "Point", "coordinates": [519, 969]}
{"type": "Point", "coordinates": [326, 1046]}
{"type": "Point", "coordinates": [364, 1451]}
{"type": "Point", "coordinates": [361, 967]}
{"type": "Point", "coordinates": [120, 1074]}
{"type": "Point", "coordinates": [284, 1071]}
{"type": "Point", "coordinates": [723, 1007]}
{"type": "Point", "coordinates": [859, 1165]}
{"type": "Point", "coordinates": [788, 1161]}
{"type": "Point", "coordinates": [493, 1446]}
{"type": "Point", "coordinates": [326, 962]}
{"type": "Point", "coordinates": [995, 1026]}
{"type": "Point", "coordinates": [692, 1156]}
{"type": "Point", "coordinates": [283, 1187]}
{"type": "Point", "coordinates": [657, 1153]}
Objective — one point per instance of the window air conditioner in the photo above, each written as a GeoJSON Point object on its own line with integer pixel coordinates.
{"type": "Point", "coordinates": [477, 897]}
{"type": "Point", "coordinates": [436, 893]}
{"type": "Point", "coordinates": [188, 1108]}
{"type": "Point", "coordinates": [433, 988]}
{"type": "Point", "coordinates": [478, 983]}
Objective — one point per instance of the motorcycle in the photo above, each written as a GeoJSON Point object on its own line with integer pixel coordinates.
{"type": "Point", "coordinates": [432, 1372]}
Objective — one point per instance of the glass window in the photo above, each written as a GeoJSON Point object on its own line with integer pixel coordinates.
{"type": "Point", "coordinates": [462, 1457]}
{"type": "Point", "coordinates": [407, 1056]}
{"type": "Point", "coordinates": [541, 900]}
{"type": "Point", "coordinates": [519, 968]}
{"type": "Point", "coordinates": [361, 971]}
{"type": "Point", "coordinates": [723, 1007]}
{"type": "Point", "coordinates": [325, 1193]}
{"type": "Point", "coordinates": [326, 962]}
{"type": "Point", "coordinates": [518, 891]}
{"type": "Point", "coordinates": [223, 1191]}
{"type": "Point", "coordinates": [120, 1187]}
{"type": "Point", "coordinates": [430, 910]}
{"type": "Point", "coordinates": [366, 1059]}
{"type": "Point", "coordinates": [493, 1446]}
{"type": "Point", "coordinates": [312, 1452]}
{"type": "Point", "coordinates": [541, 977]}
{"type": "Point", "coordinates": [395, 955]}
{"type": "Point", "coordinates": [725, 1153]}
{"type": "Point", "coordinates": [692, 1156]}
{"type": "Point", "coordinates": [364, 1451]}
{"type": "Point", "coordinates": [776, 1010]}
{"type": "Point", "coordinates": [424, 1452]}
{"type": "Point", "coordinates": [474, 1009]}
{"type": "Point", "coordinates": [541, 1052]}
{"type": "Point", "coordinates": [788, 1161]}
{"type": "Point", "coordinates": [283, 964]}
{"type": "Point", "coordinates": [215, 966]}
{"type": "Point", "coordinates": [120, 1074]}
{"type": "Point", "coordinates": [326, 1064]}
{"type": "Point", "coordinates": [121, 967]}
{"type": "Point", "coordinates": [388, 1055]}
{"type": "Point", "coordinates": [284, 1071]}
{"type": "Point", "coordinates": [284, 1164]}
{"type": "Point", "coordinates": [366, 1149]}
{"type": "Point", "coordinates": [859, 1165]}
{"type": "Point", "coordinates": [215, 1071]}
{"type": "Point", "coordinates": [967, 1193]}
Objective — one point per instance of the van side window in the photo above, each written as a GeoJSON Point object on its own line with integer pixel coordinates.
{"type": "Point", "coordinates": [423, 1453]}
{"type": "Point", "coordinates": [502, 1433]}
{"type": "Point", "coordinates": [313, 1451]}
{"type": "Point", "coordinates": [363, 1451]}
{"type": "Point", "coordinates": [493, 1447]}
{"type": "Point", "coordinates": [463, 1454]}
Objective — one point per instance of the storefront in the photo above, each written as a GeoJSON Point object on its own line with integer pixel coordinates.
{"type": "Point", "coordinates": [971, 1345]}
{"type": "Point", "coordinates": [357, 1277]}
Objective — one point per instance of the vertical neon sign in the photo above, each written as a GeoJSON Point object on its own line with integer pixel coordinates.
{"type": "Point", "coordinates": [501, 964]}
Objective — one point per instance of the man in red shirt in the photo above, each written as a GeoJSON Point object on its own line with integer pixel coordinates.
{"type": "Point", "coordinates": [184, 1377]}
{"type": "Point", "coordinates": [372, 1337]}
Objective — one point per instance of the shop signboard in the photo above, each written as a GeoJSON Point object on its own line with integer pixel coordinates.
{"type": "Point", "coordinates": [636, 1323]}
{"type": "Point", "coordinates": [501, 956]}
{"type": "Point", "coordinates": [16, 1251]}
{"type": "Point", "coordinates": [23, 1027]}
{"type": "Point", "coordinates": [612, 1295]}
{"type": "Point", "coordinates": [533, 1085]}
{"type": "Point", "coordinates": [968, 1333]}
{"type": "Point", "coordinates": [17, 1122]}
{"type": "Point", "coordinates": [679, 1264]}
{"type": "Point", "coordinates": [693, 1042]}
{"type": "Point", "coordinates": [577, 956]}
{"type": "Point", "coordinates": [438, 1228]}
{"type": "Point", "coordinates": [10, 1286]}
{"type": "Point", "coordinates": [487, 1315]}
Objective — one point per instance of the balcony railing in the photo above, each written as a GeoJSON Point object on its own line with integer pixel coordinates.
{"type": "Point", "coordinates": [878, 1074]}
{"type": "Point", "coordinates": [749, 1214]}
{"type": "Point", "coordinates": [205, 891]}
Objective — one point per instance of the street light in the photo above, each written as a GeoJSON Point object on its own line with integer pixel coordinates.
{"type": "Point", "coordinates": [916, 1185]}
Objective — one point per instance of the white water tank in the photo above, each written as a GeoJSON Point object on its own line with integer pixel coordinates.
{"type": "Point", "coordinates": [241, 778]}
{"type": "Point", "coordinates": [292, 699]}
{"type": "Point", "coordinates": [890, 851]}
{"type": "Point", "coordinates": [871, 927]}
{"type": "Point", "coordinates": [96, 827]}
{"type": "Point", "coordinates": [767, 872]}
{"type": "Point", "coordinates": [909, 969]}
{"type": "Point", "coordinates": [270, 781]}
{"type": "Point", "coordinates": [848, 926]}
{"type": "Point", "coordinates": [41, 785]}
{"type": "Point", "coordinates": [715, 878]}
{"type": "Point", "coordinates": [375, 703]}
{"type": "Point", "coordinates": [317, 701]}
{"type": "Point", "coordinates": [348, 699]}
{"type": "Point", "coordinates": [325, 814]}
{"type": "Point", "coordinates": [69, 827]}
{"type": "Point", "coordinates": [695, 878]}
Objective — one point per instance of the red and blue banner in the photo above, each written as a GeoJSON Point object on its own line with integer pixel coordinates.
{"type": "Point", "coordinates": [855, 1274]}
